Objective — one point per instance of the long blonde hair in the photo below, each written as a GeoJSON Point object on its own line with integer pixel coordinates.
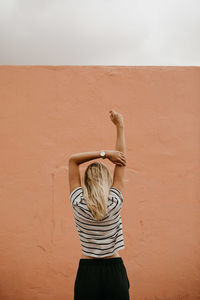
{"type": "Point", "coordinates": [96, 186]}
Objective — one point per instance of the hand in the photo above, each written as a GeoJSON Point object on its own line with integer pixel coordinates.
{"type": "Point", "coordinates": [117, 157]}
{"type": "Point", "coordinates": [116, 118]}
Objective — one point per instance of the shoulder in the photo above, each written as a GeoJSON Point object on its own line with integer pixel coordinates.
{"type": "Point", "coordinates": [76, 194]}
{"type": "Point", "coordinates": [116, 192]}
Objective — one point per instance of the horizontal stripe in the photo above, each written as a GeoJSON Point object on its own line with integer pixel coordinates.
{"type": "Point", "coordinates": [104, 248]}
{"type": "Point", "coordinates": [89, 214]}
{"type": "Point", "coordinates": [103, 254]}
{"type": "Point", "coordinates": [109, 216]}
{"type": "Point", "coordinates": [103, 237]}
{"type": "Point", "coordinates": [99, 230]}
{"type": "Point", "coordinates": [81, 217]}
{"type": "Point", "coordinates": [108, 243]}
{"type": "Point", "coordinates": [100, 249]}
{"type": "Point", "coordinates": [98, 225]}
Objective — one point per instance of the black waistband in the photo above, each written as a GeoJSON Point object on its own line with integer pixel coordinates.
{"type": "Point", "coordinates": [97, 261]}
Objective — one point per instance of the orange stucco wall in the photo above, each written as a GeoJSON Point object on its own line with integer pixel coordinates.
{"type": "Point", "coordinates": [50, 112]}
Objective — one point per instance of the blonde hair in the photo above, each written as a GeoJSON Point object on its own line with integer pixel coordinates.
{"type": "Point", "coordinates": [96, 186]}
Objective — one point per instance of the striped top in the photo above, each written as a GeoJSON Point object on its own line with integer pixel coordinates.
{"type": "Point", "coordinates": [98, 238]}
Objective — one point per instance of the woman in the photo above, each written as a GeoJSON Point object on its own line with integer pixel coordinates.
{"type": "Point", "coordinates": [96, 205]}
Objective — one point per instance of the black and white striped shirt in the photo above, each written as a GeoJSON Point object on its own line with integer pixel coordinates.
{"type": "Point", "coordinates": [98, 238]}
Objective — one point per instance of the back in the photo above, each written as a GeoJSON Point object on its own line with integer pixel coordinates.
{"type": "Point", "coordinates": [98, 238]}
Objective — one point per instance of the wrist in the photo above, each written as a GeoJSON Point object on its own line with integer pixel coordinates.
{"type": "Point", "coordinates": [106, 154]}
{"type": "Point", "coordinates": [106, 151]}
{"type": "Point", "coordinates": [120, 126]}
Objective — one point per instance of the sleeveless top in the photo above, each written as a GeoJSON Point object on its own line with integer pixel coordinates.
{"type": "Point", "coordinates": [98, 238]}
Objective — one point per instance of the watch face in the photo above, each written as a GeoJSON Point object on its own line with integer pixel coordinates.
{"type": "Point", "coordinates": [103, 153]}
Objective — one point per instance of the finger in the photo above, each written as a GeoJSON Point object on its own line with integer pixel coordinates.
{"type": "Point", "coordinates": [122, 162]}
{"type": "Point", "coordinates": [123, 159]}
{"type": "Point", "coordinates": [118, 163]}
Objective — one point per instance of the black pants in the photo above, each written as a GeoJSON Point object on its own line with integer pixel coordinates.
{"type": "Point", "coordinates": [101, 279]}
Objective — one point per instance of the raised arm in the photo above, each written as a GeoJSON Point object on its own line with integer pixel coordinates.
{"type": "Point", "coordinates": [119, 171]}
{"type": "Point", "coordinates": [115, 156]}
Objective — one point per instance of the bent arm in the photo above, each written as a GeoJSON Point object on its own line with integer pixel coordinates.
{"type": "Point", "coordinates": [80, 158]}
{"type": "Point", "coordinates": [74, 161]}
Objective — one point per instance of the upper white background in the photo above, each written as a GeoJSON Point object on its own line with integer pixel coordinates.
{"type": "Point", "coordinates": [100, 32]}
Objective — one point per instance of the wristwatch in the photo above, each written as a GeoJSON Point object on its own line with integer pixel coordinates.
{"type": "Point", "coordinates": [103, 154]}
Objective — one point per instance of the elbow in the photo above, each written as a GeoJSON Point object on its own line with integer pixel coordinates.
{"type": "Point", "coordinates": [71, 157]}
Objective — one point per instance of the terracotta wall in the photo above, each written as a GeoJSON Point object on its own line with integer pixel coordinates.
{"type": "Point", "coordinates": [50, 112]}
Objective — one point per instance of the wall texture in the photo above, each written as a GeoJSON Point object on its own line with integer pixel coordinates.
{"type": "Point", "coordinates": [50, 112]}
